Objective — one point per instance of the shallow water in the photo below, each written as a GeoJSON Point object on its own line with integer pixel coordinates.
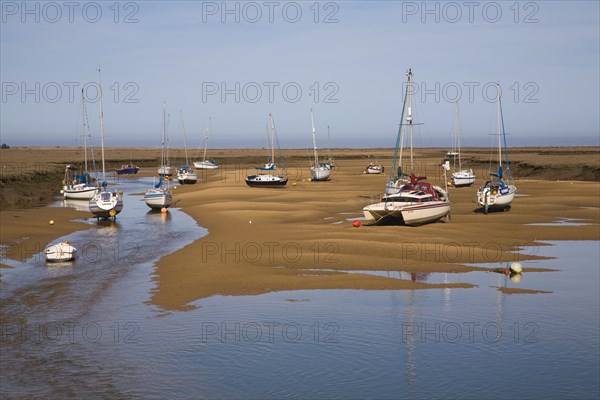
{"type": "Point", "coordinates": [454, 343]}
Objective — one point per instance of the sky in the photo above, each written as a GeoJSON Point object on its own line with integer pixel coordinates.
{"type": "Point", "coordinates": [236, 62]}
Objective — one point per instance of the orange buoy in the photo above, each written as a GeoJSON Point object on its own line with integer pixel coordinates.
{"type": "Point", "coordinates": [163, 210]}
{"type": "Point", "coordinates": [506, 271]}
{"type": "Point", "coordinates": [356, 223]}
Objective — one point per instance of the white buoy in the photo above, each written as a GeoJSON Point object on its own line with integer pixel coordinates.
{"type": "Point", "coordinates": [250, 221]}
{"type": "Point", "coordinates": [516, 268]}
{"type": "Point", "coordinates": [51, 222]}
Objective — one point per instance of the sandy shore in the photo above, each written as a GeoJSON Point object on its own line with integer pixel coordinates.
{"type": "Point", "coordinates": [301, 237]}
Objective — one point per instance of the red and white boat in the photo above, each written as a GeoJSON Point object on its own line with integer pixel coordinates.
{"type": "Point", "coordinates": [417, 203]}
{"type": "Point", "coordinates": [408, 201]}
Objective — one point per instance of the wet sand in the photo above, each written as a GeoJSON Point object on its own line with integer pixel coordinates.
{"type": "Point", "coordinates": [262, 240]}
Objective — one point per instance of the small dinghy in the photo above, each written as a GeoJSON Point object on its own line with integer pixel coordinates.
{"type": "Point", "coordinates": [63, 251]}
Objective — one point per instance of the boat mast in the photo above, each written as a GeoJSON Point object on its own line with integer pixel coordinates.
{"type": "Point", "coordinates": [85, 163]}
{"type": "Point", "coordinates": [206, 140]}
{"type": "Point", "coordinates": [184, 141]}
{"type": "Point", "coordinates": [409, 118]}
{"type": "Point", "coordinates": [458, 136]}
{"type": "Point", "coordinates": [399, 138]}
{"type": "Point", "coordinates": [312, 121]}
{"type": "Point", "coordinates": [272, 133]}
{"type": "Point", "coordinates": [329, 143]}
{"type": "Point", "coordinates": [102, 128]}
{"type": "Point", "coordinates": [164, 135]}
{"type": "Point", "coordinates": [499, 127]}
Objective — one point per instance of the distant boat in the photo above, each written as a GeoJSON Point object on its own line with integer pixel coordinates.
{"type": "Point", "coordinates": [206, 163]}
{"type": "Point", "coordinates": [107, 202]}
{"type": "Point", "coordinates": [318, 171]}
{"type": "Point", "coordinates": [160, 196]}
{"type": "Point", "coordinates": [460, 177]}
{"type": "Point", "coordinates": [127, 169]}
{"type": "Point", "coordinates": [269, 180]}
{"type": "Point", "coordinates": [165, 168]}
{"type": "Point", "coordinates": [185, 174]}
{"type": "Point", "coordinates": [496, 193]}
{"type": "Point", "coordinates": [80, 186]}
{"type": "Point", "coordinates": [63, 251]}
{"type": "Point", "coordinates": [417, 201]}
{"type": "Point", "coordinates": [375, 168]}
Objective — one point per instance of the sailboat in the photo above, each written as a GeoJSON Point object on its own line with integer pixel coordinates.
{"type": "Point", "coordinates": [160, 196]}
{"type": "Point", "coordinates": [107, 202]}
{"type": "Point", "coordinates": [460, 177]}
{"type": "Point", "coordinates": [206, 163]}
{"type": "Point", "coordinates": [80, 187]}
{"type": "Point", "coordinates": [496, 193]}
{"type": "Point", "coordinates": [414, 202]}
{"type": "Point", "coordinates": [318, 171]}
{"type": "Point", "coordinates": [185, 174]}
{"type": "Point", "coordinates": [165, 169]}
{"type": "Point", "coordinates": [374, 168]}
{"type": "Point", "coordinates": [269, 180]}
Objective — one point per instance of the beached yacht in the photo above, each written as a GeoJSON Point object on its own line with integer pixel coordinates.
{"type": "Point", "coordinates": [80, 186]}
{"type": "Point", "coordinates": [374, 168]}
{"type": "Point", "coordinates": [269, 180]}
{"type": "Point", "coordinates": [185, 174]}
{"type": "Point", "coordinates": [318, 171]}
{"type": "Point", "coordinates": [460, 177]}
{"type": "Point", "coordinates": [107, 201]}
{"type": "Point", "coordinates": [206, 163]}
{"type": "Point", "coordinates": [159, 196]}
{"type": "Point", "coordinates": [497, 193]}
{"type": "Point", "coordinates": [417, 203]}
{"type": "Point", "coordinates": [409, 201]}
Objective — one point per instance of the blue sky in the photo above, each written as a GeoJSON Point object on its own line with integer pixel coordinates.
{"type": "Point", "coordinates": [545, 55]}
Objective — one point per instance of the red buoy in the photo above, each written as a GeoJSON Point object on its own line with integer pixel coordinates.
{"type": "Point", "coordinates": [356, 223]}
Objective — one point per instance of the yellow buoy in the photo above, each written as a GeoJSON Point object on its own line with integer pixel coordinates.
{"type": "Point", "coordinates": [294, 184]}
{"type": "Point", "coordinates": [112, 213]}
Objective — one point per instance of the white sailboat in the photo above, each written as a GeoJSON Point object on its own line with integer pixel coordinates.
{"type": "Point", "coordinates": [374, 168]}
{"type": "Point", "coordinates": [185, 174]}
{"type": "Point", "coordinates": [165, 169]}
{"type": "Point", "coordinates": [414, 202]}
{"type": "Point", "coordinates": [206, 163]}
{"type": "Point", "coordinates": [460, 177]}
{"type": "Point", "coordinates": [159, 196]}
{"type": "Point", "coordinates": [269, 180]}
{"type": "Point", "coordinates": [107, 201]}
{"type": "Point", "coordinates": [318, 171]}
{"type": "Point", "coordinates": [79, 187]}
{"type": "Point", "coordinates": [496, 193]}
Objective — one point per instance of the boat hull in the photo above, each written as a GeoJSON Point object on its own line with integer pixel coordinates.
{"type": "Point", "coordinates": [187, 178]}
{"type": "Point", "coordinates": [106, 208]}
{"type": "Point", "coordinates": [205, 165]}
{"type": "Point", "coordinates": [463, 178]}
{"type": "Point", "coordinates": [266, 181]}
{"type": "Point", "coordinates": [79, 192]}
{"type": "Point", "coordinates": [127, 171]}
{"type": "Point", "coordinates": [412, 215]}
{"type": "Point", "coordinates": [500, 200]}
{"type": "Point", "coordinates": [158, 199]}
{"type": "Point", "coordinates": [60, 252]}
{"type": "Point", "coordinates": [165, 171]}
{"type": "Point", "coordinates": [374, 170]}
{"type": "Point", "coordinates": [320, 173]}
